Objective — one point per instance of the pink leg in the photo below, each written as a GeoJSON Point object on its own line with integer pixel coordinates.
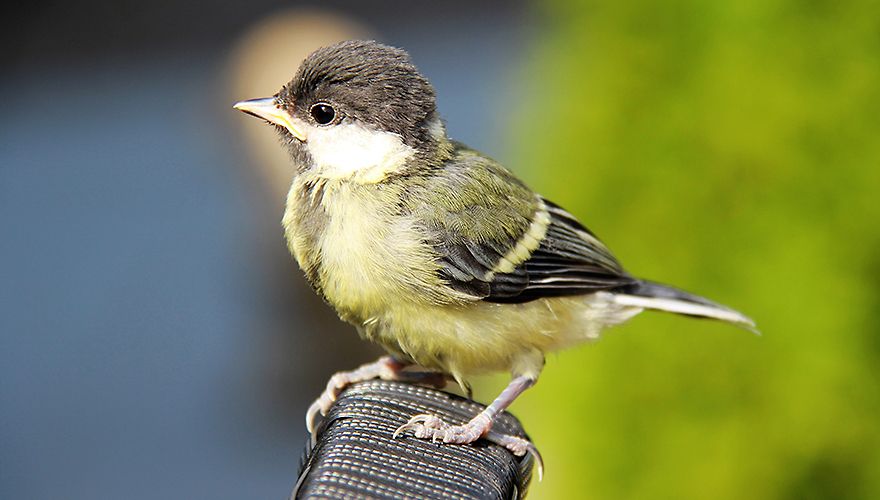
{"type": "Point", "coordinates": [385, 368]}
{"type": "Point", "coordinates": [431, 427]}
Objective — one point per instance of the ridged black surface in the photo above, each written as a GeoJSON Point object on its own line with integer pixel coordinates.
{"type": "Point", "coordinates": [356, 457]}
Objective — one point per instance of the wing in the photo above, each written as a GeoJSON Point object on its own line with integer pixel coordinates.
{"type": "Point", "coordinates": [521, 249]}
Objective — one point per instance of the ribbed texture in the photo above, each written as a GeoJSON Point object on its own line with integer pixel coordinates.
{"type": "Point", "coordinates": [356, 457]}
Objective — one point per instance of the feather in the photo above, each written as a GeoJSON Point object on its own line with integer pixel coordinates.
{"type": "Point", "coordinates": [565, 259]}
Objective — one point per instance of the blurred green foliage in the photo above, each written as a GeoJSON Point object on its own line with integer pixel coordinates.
{"type": "Point", "coordinates": [733, 149]}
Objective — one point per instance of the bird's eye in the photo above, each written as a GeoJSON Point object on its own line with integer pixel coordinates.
{"type": "Point", "coordinates": [323, 113]}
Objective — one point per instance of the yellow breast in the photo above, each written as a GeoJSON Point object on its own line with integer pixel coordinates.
{"type": "Point", "coordinates": [368, 257]}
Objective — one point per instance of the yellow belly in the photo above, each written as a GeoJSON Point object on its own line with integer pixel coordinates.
{"type": "Point", "coordinates": [484, 337]}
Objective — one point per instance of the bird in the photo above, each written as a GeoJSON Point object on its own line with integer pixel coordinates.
{"type": "Point", "coordinates": [434, 250]}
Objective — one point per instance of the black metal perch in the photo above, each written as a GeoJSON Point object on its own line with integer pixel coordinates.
{"type": "Point", "coordinates": [355, 455]}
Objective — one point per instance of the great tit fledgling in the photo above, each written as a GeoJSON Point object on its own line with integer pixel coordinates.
{"type": "Point", "coordinates": [432, 249]}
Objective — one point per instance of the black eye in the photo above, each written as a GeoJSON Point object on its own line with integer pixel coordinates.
{"type": "Point", "coordinates": [323, 113]}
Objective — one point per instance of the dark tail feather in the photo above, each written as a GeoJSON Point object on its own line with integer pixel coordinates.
{"type": "Point", "coordinates": [666, 298]}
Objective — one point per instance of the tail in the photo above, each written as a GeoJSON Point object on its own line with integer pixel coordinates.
{"type": "Point", "coordinates": [659, 297]}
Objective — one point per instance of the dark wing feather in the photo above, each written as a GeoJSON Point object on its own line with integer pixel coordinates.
{"type": "Point", "coordinates": [476, 236]}
{"type": "Point", "coordinates": [570, 260]}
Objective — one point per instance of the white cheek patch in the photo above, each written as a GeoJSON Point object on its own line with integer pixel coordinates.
{"type": "Point", "coordinates": [350, 150]}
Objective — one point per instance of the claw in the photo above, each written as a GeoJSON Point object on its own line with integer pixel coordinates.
{"type": "Point", "coordinates": [400, 430]}
{"type": "Point", "coordinates": [519, 447]}
{"type": "Point", "coordinates": [539, 462]}
{"type": "Point", "coordinates": [312, 415]}
{"type": "Point", "coordinates": [421, 425]}
{"type": "Point", "coordinates": [321, 406]}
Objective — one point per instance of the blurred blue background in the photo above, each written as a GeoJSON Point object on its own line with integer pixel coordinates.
{"type": "Point", "coordinates": [156, 340]}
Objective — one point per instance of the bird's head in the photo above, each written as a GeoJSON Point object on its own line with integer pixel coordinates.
{"type": "Point", "coordinates": [356, 108]}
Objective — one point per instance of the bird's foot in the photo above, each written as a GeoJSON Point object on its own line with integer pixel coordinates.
{"type": "Point", "coordinates": [428, 426]}
{"type": "Point", "coordinates": [385, 368]}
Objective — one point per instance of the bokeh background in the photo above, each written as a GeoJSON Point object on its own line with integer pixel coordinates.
{"type": "Point", "coordinates": [157, 342]}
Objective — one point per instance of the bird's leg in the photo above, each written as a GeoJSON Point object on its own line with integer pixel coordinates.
{"type": "Point", "coordinates": [385, 368]}
{"type": "Point", "coordinates": [430, 427]}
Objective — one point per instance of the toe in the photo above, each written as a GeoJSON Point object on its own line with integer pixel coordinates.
{"type": "Point", "coordinates": [312, 417]}
{"type": "Point", "coordinates": [461, 434]}
{"type": "Point", "coordinates": [423, 426]}
{"type": "Point", "coordinates": [519, 447]}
